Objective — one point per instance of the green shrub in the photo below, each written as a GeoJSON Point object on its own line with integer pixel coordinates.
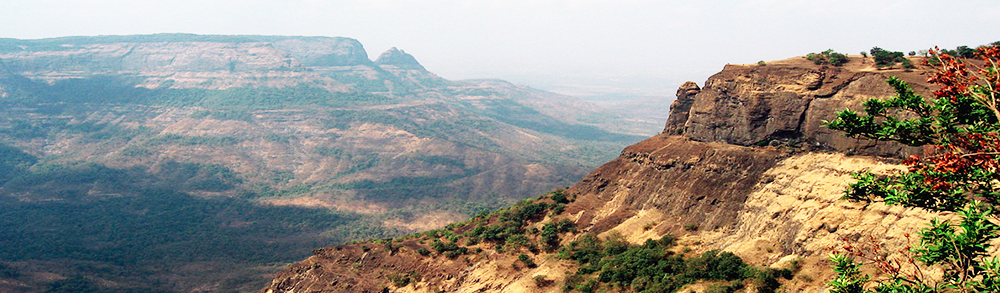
{"type": "Point", "coordinates": [885, 58]}
{"type": "Point", "coordinates": [399, 279]}
{"type": "Point", "coordinates": [524, 258]}
{"type": "Point", "coordinates": [725, 288]}
{"type": "Point", "coordinates": [541, 281]}
{"type": "Point", "coordinates": [559, 197]}
{"type": "Point", "coordinates": [827, 57]}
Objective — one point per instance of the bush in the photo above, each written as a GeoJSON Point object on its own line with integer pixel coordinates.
{"type": "Point", "coordinates": [559, 197]}
{"type": "Point", "coordinates": [962, 125]}
{"type": "Point", "coordinates": [399, 279]}
{"type": "Point", "coordinates": [542, 281]}
{"type": "Point", "coordinates": [524, 258]}
{"type": "Point", "coordinates": [886, 58]}
{"type": "Point", "coordinates": [827, 57]}
{"type": "Point", "coordinates": [725, 288]}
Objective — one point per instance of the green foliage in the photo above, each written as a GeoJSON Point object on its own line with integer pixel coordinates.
{"type": "Point", "coordinates": [549, 235]}
{"type": "Point", "coordinates": [644, 268]}
{"type": "Point", "coordinates": [149, 224]}
{"type": "Point", "coordinates": [849, 277]}
{"type": "Point", "coordinates": [961, 124]}
{"type": "Point", "coordinates": [524, 258]}
{"type": "Point", "coordinates": [559, 196]}
{"type": "Point", "coordinates": [73, 285]}
{"type": "Point", "coordinates": [13, 163]}
{"type": "Point", "coordinates": [885, 58]}
{"type": "Point", "coordinates": [827, 57]}
{"type": "Point", "coordinates": [541, 281]}
{"type": "Point", "coordinates": [725, 288]}
{"type": "Point", "coordinates": [402, 279]}
{"type": "Point", "coordinates": [448, 249]}
{"type": "Point", "coordinates": [716, 265]}
{"type": "Point", "coordinates": [8, 272]}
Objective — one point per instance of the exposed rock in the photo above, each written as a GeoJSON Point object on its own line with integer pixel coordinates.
{"type": "Point", "coordinates": [186, 61]}
{"type": "Point", "coordinates": [325, 51]}
{"type": "Point", "coordinates": [399, 59]}
{"type": "Point", "coordinates": [715, 190]}
{"type": "Point", "coordinates": [786, 100]}
{"type": "Point", "coordinates": [707, 183]}
{"type": "Point", "coordinates": [680, 107]}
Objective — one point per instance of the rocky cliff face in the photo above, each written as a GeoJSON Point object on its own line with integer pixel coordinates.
{"type": "Point", "coordinates": [707, 179]}
{"type": "Point", "coordinates": [188, 61]}
{"type": "Point", "coordinates": [782, 101]}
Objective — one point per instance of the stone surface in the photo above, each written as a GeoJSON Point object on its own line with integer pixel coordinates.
{"type": "Point", "coordinates": [680, 107]}
{"type": "Point", "coordinates": [707, 181]}
{"type": "Point", "coordinates": [399, 59]}
{"type": "Point", "coordinates": [782, 101]}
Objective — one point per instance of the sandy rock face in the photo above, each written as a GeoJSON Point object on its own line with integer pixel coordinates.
{"type": "Point", "coordinates": [708, 180]}
{"type": "Point", "coordinates": [782, 101]}
{"type": "Point", "coordinates": [681, 106]}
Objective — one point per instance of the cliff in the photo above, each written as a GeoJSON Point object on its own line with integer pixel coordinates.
{"type": "Point", "coordinates": [743, 165]}
{"type": "Point", "coordinates": [262, 147]}
{"type": "Point", "coordinates": [189, 61]}
{"type": "Point", "coordinates": [784, 101]}
{"type": "Point", "coordinates": [398, 59]}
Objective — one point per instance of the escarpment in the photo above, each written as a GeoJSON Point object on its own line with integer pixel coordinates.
{"type": "Point", "coordinates": [744, 165]}
{"type": "Point", "coordinates": [784, 101]}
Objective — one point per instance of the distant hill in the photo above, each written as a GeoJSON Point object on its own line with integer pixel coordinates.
{"type": "Point", "coordinates": [181, 162]}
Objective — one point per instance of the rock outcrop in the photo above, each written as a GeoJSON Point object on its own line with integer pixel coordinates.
{"type": "Point", "coordinates": [743, 165]}
{"type": "Point", "coordinates": [680, 107]}
{"type": "Point", "coordinates": [398, 59]}
{"type": "Point", "coordinates": [190, 61]}
{"type": "Point", "coordinates": [782, 101]}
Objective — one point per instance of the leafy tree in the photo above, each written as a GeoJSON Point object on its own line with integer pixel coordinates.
{"type": "Point", "coordinates": [885, 57]}
{"type": "Point", "coordinates": [827, 57]}
{"type": "Point", "coordinates": [963, 175]}
{"type": "Point", "coordinates": [965, 52]}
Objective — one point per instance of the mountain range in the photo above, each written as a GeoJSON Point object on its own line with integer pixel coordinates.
{"type": "Point", "coordinates": [202, 163]}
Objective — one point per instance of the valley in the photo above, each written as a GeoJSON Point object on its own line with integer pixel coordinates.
{"type": "Point", "coordinates": [193, 163]}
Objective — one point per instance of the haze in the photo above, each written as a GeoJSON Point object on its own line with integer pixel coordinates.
{"type": "Point", "coordinates": [582, 47]}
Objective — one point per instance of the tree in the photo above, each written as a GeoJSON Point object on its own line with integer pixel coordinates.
{"type": "Point", "coordinates": [827, 57]}
{"type": "Point", "coordinates": [962, 124]}
{"type": "Point", "coordinates": [885, 57]}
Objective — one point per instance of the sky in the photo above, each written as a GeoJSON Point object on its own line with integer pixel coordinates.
{"type": "Point", "coordinates": [580, 47]}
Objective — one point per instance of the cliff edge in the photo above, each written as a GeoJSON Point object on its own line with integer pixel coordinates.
{"type": "Point", "coordinates": [743, 165]}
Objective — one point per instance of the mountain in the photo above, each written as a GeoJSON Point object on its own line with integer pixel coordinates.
{"type": "Point", "coordinates": [201, 163]}
{"type": "Point", "coordinates": [742, 175]}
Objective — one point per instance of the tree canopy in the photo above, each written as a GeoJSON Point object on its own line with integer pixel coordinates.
{"type": "Point", "coordinates": [962, 174]}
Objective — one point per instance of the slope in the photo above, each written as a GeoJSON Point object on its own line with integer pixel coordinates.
{"type": "Point", "coordinates": [741, 167]}
{"type": "Point", "coordinates": [162, 162]}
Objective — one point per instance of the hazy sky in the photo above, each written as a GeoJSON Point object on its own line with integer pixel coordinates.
{"type": "Point", "coordinates": [625, 45]}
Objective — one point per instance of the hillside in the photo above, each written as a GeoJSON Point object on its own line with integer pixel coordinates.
{"type": "Point", "coordinates": [194, 163]}
{"type": "Point", "coordinates": [743, 167]}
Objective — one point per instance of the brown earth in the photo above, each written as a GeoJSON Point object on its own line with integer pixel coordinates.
{"type": "Point", "coordinates": [703, 180]}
